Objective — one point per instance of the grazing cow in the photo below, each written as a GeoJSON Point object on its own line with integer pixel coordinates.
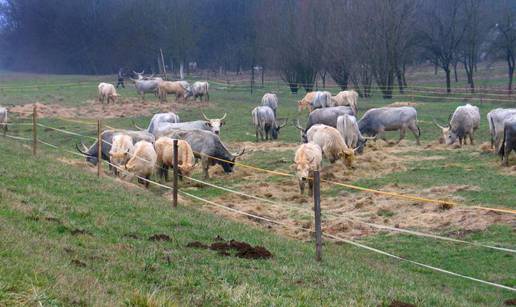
{"type": "Point", "coordinates": [142, 162]}
{"type": "Point", "coordinates": [121, 150]}
{"type": "Point", "coordinates": [208, 147]}
{"type": "Point", "coordinates": [270, 100]}
{"type": "Point", "coordinates": [509, 139]}
{"type": "Point", "coordinates": [3, 119]}
{"type": "Point", "coordinates": [173, 87]}
{"type": "Point", "coordinates": [326, 116]}
{"type": "Point", "coordinates": [378, 120]}
{"type": "Point", "coordinates": [213, 125]}
{"type": "Point", "coordinates": [495, 119]}
{"type": "Point", "coordinates": [107, 139]}
{"type": "Point", "coordinates": [146, 86]}
{"type": "Point", "coordinates": [265, 123]}
{"type": "Point", "coordinates": [306, 101]}
{"type": "Point", "coordinates": [200, 89]}
{"type": "Point", "coordinates": [346, 98]}
{"type": "Point", "coordinates": [464, 121]}
{"type": "Point", "coordinates": [106, 91]}
{"type": "Point", "coordinates": [165, 150]}
{"type": "Point", "coordinates": [308, 159]}
{"type": "Point", "coordinates": [159, 118]}
{"type": "Point", "coordinates": [332, 144]}
{"type": "Point", "coordinates": [322, 99]}
{"type": "Point", "coordinates": [348, 128]}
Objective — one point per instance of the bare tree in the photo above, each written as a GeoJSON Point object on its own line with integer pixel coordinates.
{"type": "Point", "coordinates": [504, 41]}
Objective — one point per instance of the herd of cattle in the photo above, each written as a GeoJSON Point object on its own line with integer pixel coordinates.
{"type": "Point", "coordinates": [332, 131]}
{"type": "Point", "coordinates": [159, 87]}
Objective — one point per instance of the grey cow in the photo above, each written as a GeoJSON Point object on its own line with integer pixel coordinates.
{"type": "Point", "coordinates": [265, 123]}
{"type": "Point", "coordinates": [270, 100]}
{"type": "Point", "coordinates": [348, 128]}
{"type": "Point", "coordinates": [146, 86]}
{"type": "Point", "coordinates": [212, 125]}
{"type": "Point", "coordinates": [509, 139]}
{"type": "Point", "coordinates": [463, 123]}
{"type": "Point", "coordinates": [326, 116]}
{"type": "Point", "coordinates": [495, 119]}
{"type": "Point", "coordinates": [159, 118]}
{"type": "Point", "coordinates": [208, 147]}
{"type": "Point", "coordinates": [375, 122]}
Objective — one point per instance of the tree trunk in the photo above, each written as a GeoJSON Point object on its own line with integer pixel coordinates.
{"type": "Point", "coordinates": [448, 80]}
{"type": "Point", "coordinates": [399, 77]}
{"type": "Point", "coordinates": [510, 64]}
{"type": "Point", "coordinates": [455, 72]}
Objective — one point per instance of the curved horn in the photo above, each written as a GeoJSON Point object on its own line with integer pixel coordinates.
{"type": "Point", "coordinates": [134, 72]}
{"type": "Point", "coordinates": [79, 150]}
{"type": "Point", "coordinates": [143, 71]}
{"type": "Point", "coordinates": [204, 115]}
{"type": "Point", "coordinates": [285, 122]}
{"type": "Point", "coordinates": [136, 126]}
{"type": "Point", "coordinates": [239, 154]}
{"type": "Point", "coordinates": [435, 122]}
{"type": "Point", "coordinates": [298, 126]}
{"type": "Point", "coordinates": [225, 114]}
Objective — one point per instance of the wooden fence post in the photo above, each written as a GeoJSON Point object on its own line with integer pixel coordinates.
{"type": "Point", "coordinates": [99, 149]}
{"type": "Point", "coordinates": [174, 193]}
{"type": "Point", "coordinates": [317, 210]}
{"type": "Point", "coordinates": [34, 130]}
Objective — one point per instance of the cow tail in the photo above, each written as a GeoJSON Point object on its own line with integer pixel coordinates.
{"type": "Point", "coordinates": [502, 147]}
{"type": "Point", "coordinates": [418, 130]}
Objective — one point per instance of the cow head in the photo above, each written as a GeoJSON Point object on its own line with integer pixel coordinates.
{"type": "Point", "coordinates": [186, 168]}
{"type": "Point", "coordinates": [119, 158]}
{"type": "Point", "coordinates": [277, 126]}
{"type": "Point", "coordinates": [139, 75]}
{"type": "Point", "coordinates": [348, 155]}
{"type": "Point", "coordinates": [303, 168]}
{"type": "Point", "coordinates": [215, 123]}
{"type": "Point", "coordinates": [303, 104]}
{"type": "Point", "coordinates": [227, 166]}
{"type": "Point", "coordinates": [448, 137]}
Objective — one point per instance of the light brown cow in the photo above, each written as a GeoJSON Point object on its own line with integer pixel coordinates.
{"type": "Point", "coordinates": [165, 150]}
{"type": "Point", "coordinates": [107, 91]}
{"type": "Point", "coordinates": [172, 87]}
{"type": "Point", "coordinates": [121, 150]}
{"type": "Point", "coordinates": [306, 102]}
{"type": "Point", "coordinates": [142, 162]}
{"type": "Point", "coordinates": [332, 144]}
{"type": "Point", "coordinates": [308, 159]}
{"type": "Point", "coordinates": [346, 98]}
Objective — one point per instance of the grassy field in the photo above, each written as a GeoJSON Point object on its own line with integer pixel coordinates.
{"type": "Point", "coordinates": [73, 239]}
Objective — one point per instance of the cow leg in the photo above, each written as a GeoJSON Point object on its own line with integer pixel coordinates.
{"type": "Point", "coordinates": [147, 181]}
{"type": "Point", "coordinates": [165, 172]}
{"type": "Point", "coordinates": [310, 187]}
{"type": "Point", "coordinates": [301, 186]}
{"type": "Point", "coordinates": [207, 97]}
{"type": "Point", "coordinates": [402, 134]}
{"type": "Point", "coordinates": [471, 141]}
{"type": "Point", "coordinates": [460, 142]}
{"type": "Point", "coordinates": [415, 130]}
{"type": "Point", "coordinates": [205, 165]}
{"type": "Point", "coordinates": [381, 135]}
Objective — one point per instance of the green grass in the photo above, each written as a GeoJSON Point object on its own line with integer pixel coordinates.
{"type": "Point", "coordinates": [43, 201]}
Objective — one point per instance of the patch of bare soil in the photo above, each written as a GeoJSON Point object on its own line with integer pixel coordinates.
{"type": "Point", "coordinates": [93, 109]}
{"type": "Point", "coordinates": [239, 249]}
{"type": "Point", "coordinates": [403, 104]}
{"type": "Point", "coordinates": [159, 237]}
{"type": "Point", "coordinates": [510, 302]}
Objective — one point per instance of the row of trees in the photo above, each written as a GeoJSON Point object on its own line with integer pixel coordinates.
{"type": "Point", "coordinates": [356, 42]}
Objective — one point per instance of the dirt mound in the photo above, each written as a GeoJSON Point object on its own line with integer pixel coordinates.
{"type": "Point", "coordinates": [93, 109]}
{"type": "Point", "coordinates": [239, 249]}
{"type": "Point", "coordinates": [510, 302]}
{"type": "Point", "coordinates": [402, 104]}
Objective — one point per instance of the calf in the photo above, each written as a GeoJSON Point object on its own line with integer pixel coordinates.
{"type": "Point", "coordinates": [142, 162]}
{"type": "Point", "coordinates": [308, 159]}
{"type": "Point", "coordinates": [265, 123]}
{"type": "Point", "coordinates": [165, 156]}
{"type": "Point", "coordinates": [331, 143]}
{"type": "Point", "coordinates": [106, 91]}
{"type": "Point", "coordinates": [121, 150]}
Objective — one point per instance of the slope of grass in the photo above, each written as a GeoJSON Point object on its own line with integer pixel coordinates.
{"type": "Point", "coordinates": [69, 238]}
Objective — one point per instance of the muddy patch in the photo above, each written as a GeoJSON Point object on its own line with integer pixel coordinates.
{"type": "Point", "coordinates": [397, 303]}
{"type": "Point", "coordinates": [234, 248]}
{"type": "Point", "coordinates": [93, 109]}
{"type": "Point", "coordinates": [78, 263]}
{"type": "Point", "coordinates": [510, 302]}
{"type": "Point", "coordinates": [78, 231]}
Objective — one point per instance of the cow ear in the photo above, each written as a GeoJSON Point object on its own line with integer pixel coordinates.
{"type": "Point", "coordinates": [209, 124]}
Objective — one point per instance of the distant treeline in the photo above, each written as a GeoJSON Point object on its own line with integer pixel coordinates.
{"type": "Point", "coordinates": [355, 42]}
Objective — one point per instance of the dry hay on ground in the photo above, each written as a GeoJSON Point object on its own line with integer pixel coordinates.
{"type": "Point", "coordinates": [94, 109]}
{"type": "Point", "coordinates": [403, 104]}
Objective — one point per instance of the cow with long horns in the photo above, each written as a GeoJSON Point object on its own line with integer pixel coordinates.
{"type": "Point", "coordinates": [462, 124]}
